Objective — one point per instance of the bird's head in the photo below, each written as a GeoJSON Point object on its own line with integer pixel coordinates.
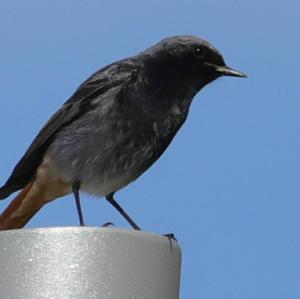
{"type": "Point", "coordinates": [189, 59]}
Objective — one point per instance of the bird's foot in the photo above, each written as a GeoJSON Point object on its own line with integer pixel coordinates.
{"type": "Point", "coordinates": [108, 224]}
{"type": "Point", "coordinates": [171, 237]}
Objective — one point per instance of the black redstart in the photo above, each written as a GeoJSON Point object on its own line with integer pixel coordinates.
{"type": "Point", "coordinates": [113, 128]}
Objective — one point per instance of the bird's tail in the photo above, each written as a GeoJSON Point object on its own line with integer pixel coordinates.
{"type": "Point", "coordinates": [23, 207]}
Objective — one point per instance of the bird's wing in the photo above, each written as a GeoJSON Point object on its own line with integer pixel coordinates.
{"type": "Point", "coordinates": [117, 74]}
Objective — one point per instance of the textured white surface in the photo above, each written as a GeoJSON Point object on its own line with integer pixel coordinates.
{"type": "Point", "coordinates": [74, 262]}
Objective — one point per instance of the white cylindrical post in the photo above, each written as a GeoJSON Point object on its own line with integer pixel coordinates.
{"type": "Point", "coordinates": [83, 263]}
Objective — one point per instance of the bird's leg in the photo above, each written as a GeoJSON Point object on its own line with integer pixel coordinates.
{"type": "Point", "coordinates": [75, 189]}
{"type": "Point", "coordinates": [111, 200]}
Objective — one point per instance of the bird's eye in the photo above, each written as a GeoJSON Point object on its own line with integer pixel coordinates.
{"type": "Point", "coordinates": [199, 52]}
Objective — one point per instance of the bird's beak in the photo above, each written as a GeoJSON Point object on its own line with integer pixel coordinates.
{"type": "Point", "coordinates": [227, 71]}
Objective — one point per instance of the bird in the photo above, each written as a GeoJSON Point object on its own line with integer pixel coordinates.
{"type": "Point", "coordinates": [113, 128]}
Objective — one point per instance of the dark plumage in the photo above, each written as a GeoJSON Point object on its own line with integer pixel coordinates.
{"type": "Point", "coordinates": [120, 120]}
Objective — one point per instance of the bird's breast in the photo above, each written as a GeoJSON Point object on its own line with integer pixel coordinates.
{"type": "Point", "coordinates": [169, 123]}
{"type": "Point", "coordinates": [107, 154]}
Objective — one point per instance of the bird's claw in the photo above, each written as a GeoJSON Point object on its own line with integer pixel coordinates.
{"type": "Point", "coordinates": [171, 237]}
{"type": "Point", "coordinates": [108, 224]}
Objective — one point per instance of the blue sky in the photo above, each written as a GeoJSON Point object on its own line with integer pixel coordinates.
{"type": "Point", "coordinates": [228, 186]}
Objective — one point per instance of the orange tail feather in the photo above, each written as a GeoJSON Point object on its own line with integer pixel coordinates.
{"type": "Point", "coordinates": [22, 208]}
{"type": "Point", "coordinates": [46, 187]}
